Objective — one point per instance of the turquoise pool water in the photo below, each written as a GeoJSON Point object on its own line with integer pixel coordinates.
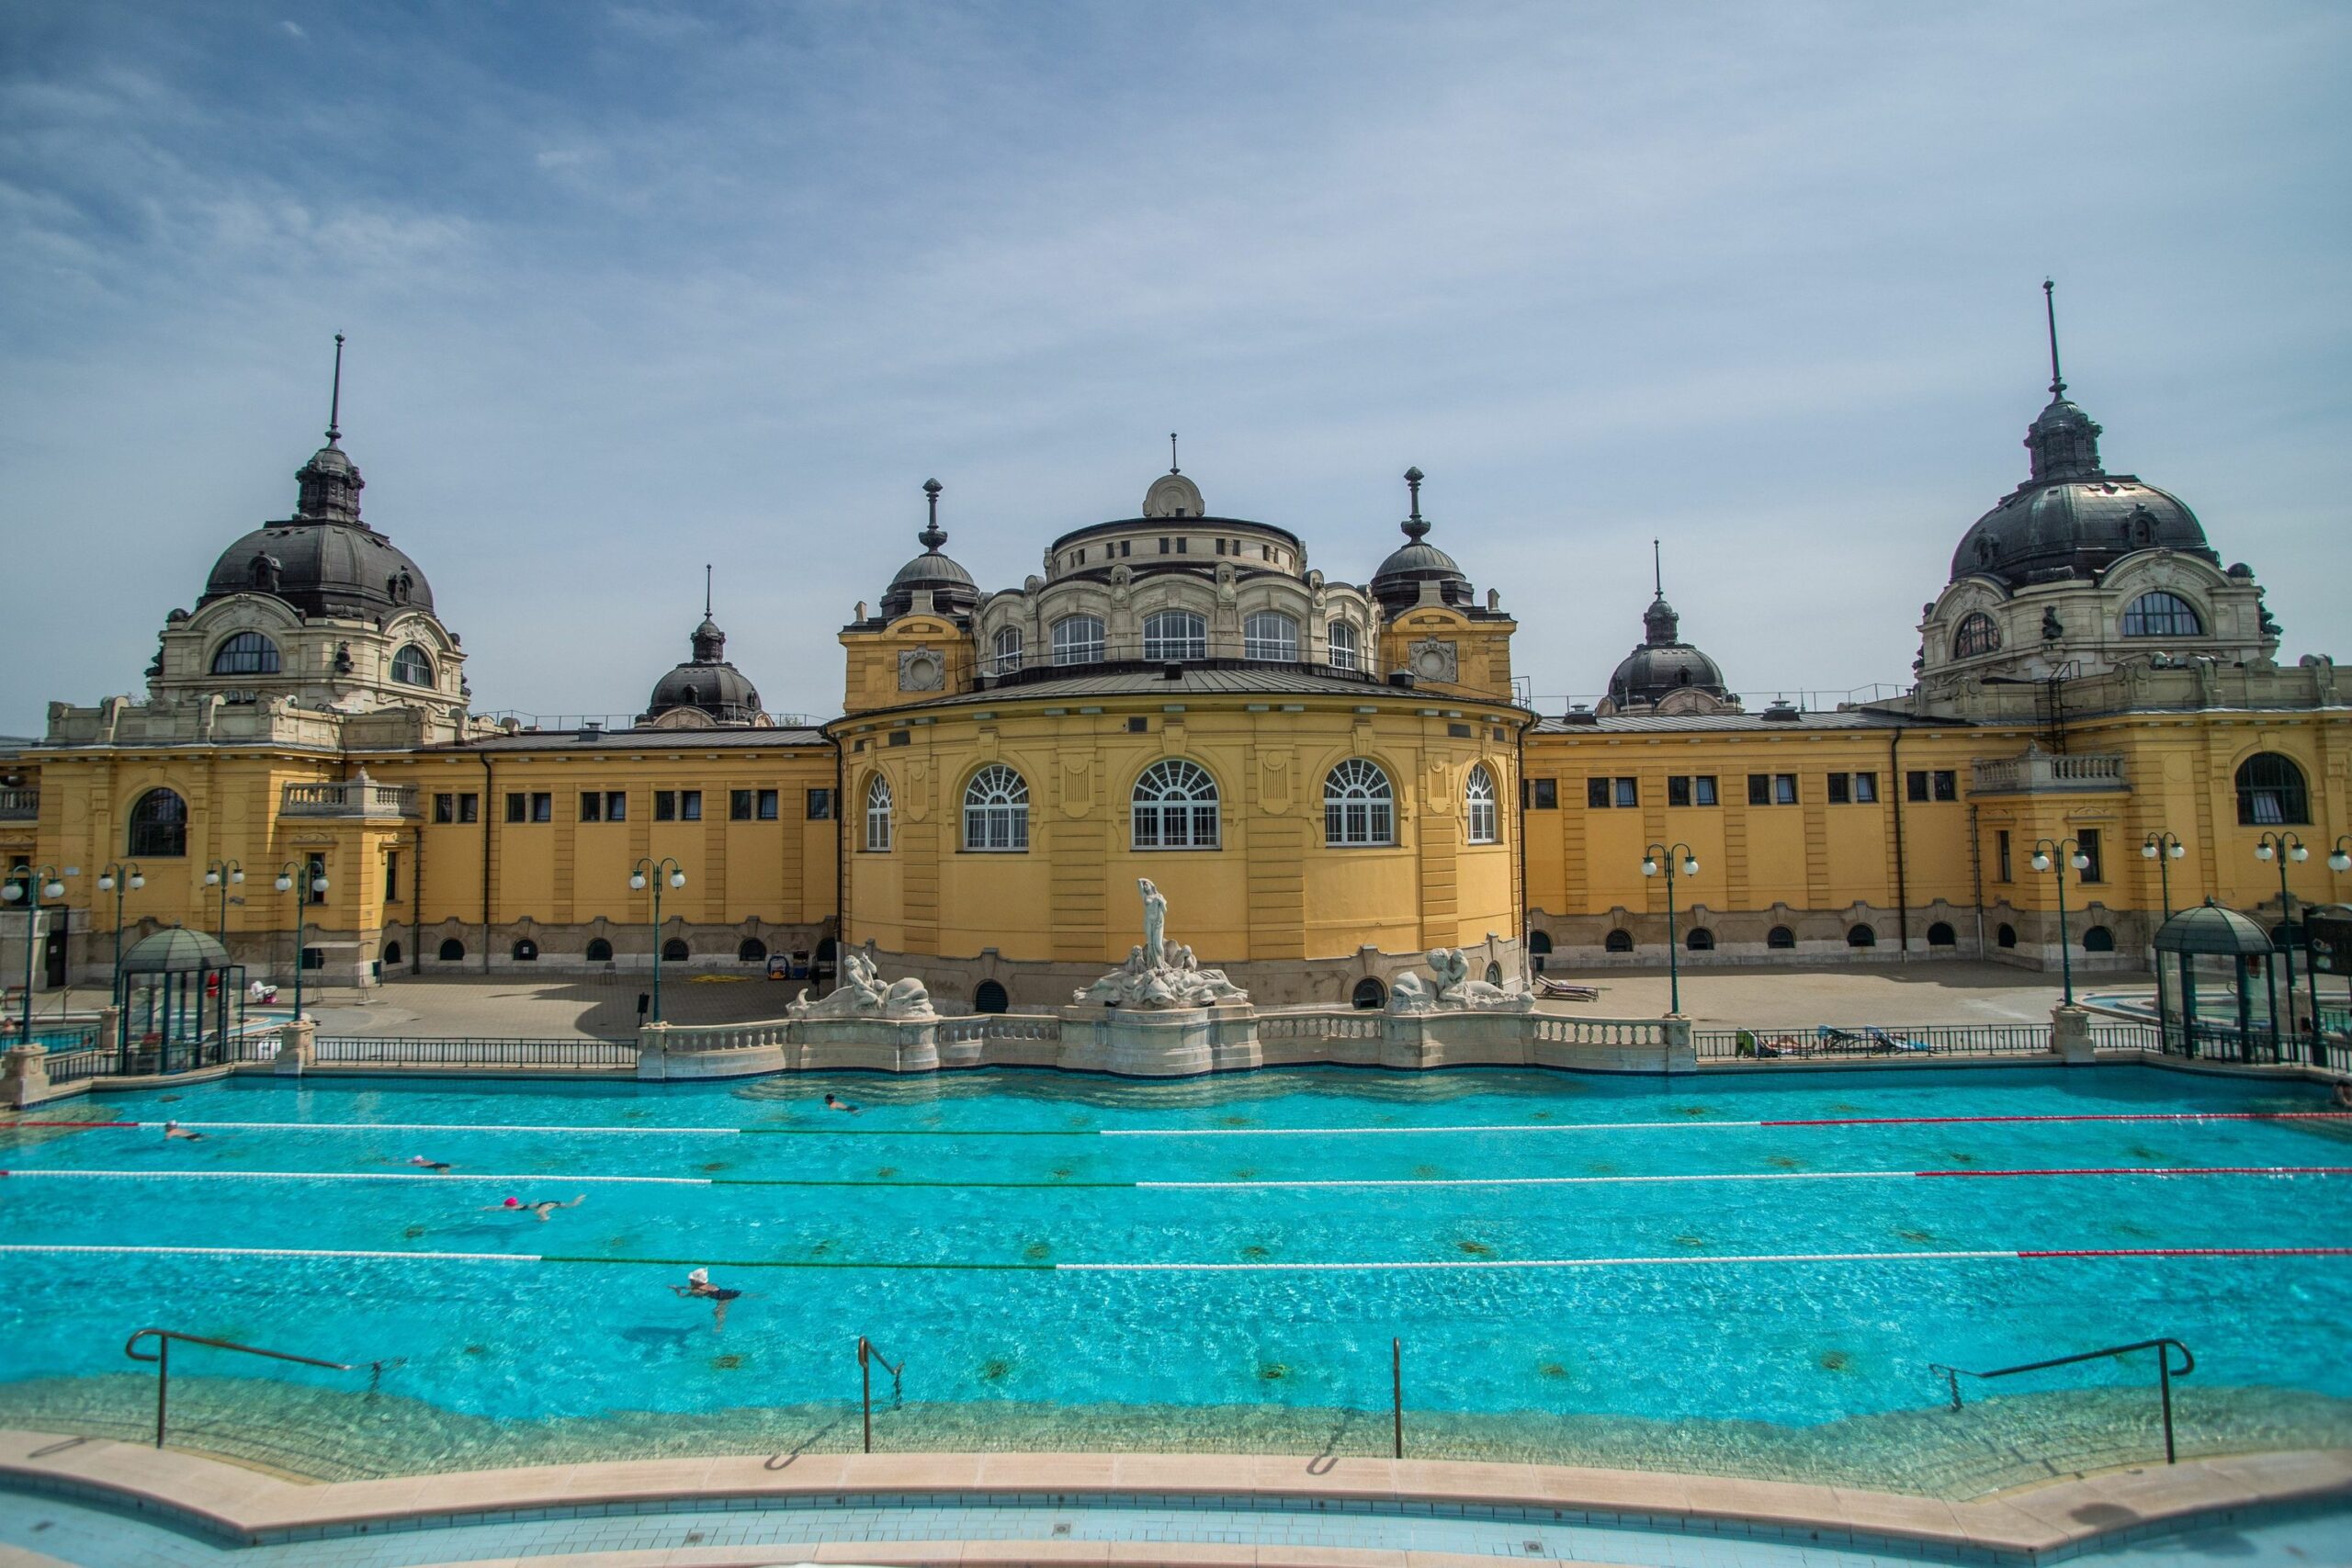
{"type": "Point", "coordinates": [1758, 1248]}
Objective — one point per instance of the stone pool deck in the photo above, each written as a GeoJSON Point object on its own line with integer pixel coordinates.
{"type": "Point", "coordinates": [236, 1505]}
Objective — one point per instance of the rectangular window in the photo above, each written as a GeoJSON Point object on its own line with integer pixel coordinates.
{"type": "Point", "coordinates": [690, 805]}
{"type": "Point", "coordinates": [1865, 789]}
{"type": "Point", "coordinates": [1220, 547]}
{"type": "Point", "coordinates": [1947, 785]}
{"type": "Point", "coordinates": [767, 806]}
{"type": "Point", "coordinates": [2088, 839]}
{"type": "Point", "coordinates": [1702, 791]}
{"type": "Point", "coordinates": [739, 805]}
{"type": "Point", "coordinates": [1126, 547]}
{"type": "Point", "coordinates": [1838, 795]}
{"type": "Point", "coordinates": [1163, 546]}
{"type": "Point", "coordinates": [821, 806]}
{"type": "Point", "coordinates": [393, 876]}
{"type": "Point", "coordinates": [2001, 855]}
{"type": "Point", "coordinates": [1759, 789]}
{"type": "Point", "coordinates": [665, 806]}
{"type": "Point", "coordinates": [542, 806]}
{"type": "Point", "coordinates": [1784, 789]}
{"type": "Point", "coordinates": [907, 737]}
{"type": "Point", "coordinates": [592, 806]}
{"type": "Point", "coordinates": [445, 808]}
{"type": "Point", "coordinates": [1678, 790]}
{"type": "Point", "coordinates": [1629, 791]}
{"type": "Point", "coordinates": [1596, 795]}
{"type": "Point", "coordinates": [1915, 785]}
{"type": "Point", "coordinates": [468, 807]}
{"type": "Point", "coordinates": [518, 808]}
{"type": "Point", "coordinates": [318, 873]}
{"type": "Point", "coordinates": [615, 806]}
{"type": "Point", "coordinates": [1547, 793]}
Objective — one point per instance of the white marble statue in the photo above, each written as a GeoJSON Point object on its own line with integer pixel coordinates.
{"type": "Point", "coordinates": [1159, 974]}
{"type": "Point", "coordinates": [1453, 990]}
{"type": "Point", "coordinates": [862, 993]}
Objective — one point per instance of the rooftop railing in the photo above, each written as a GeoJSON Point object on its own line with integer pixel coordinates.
{"type": "Point", "coordinates": [2045, 773]}
{"type": "Point", "coordinates": [19, 806]}
{"type": "Point", "coordinates": [350, 798]}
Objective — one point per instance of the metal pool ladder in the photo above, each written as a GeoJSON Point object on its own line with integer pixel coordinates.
{"type": "Point", "coordinates": [867, 1355]}
{"type": "Point", "coordinates": [2166, 1372]}
{"type": "Point", "coordinates": [163, 1359]}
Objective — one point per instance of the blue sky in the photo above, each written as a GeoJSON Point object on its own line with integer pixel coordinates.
{"type": "Point", "coordinates": [634, 287]}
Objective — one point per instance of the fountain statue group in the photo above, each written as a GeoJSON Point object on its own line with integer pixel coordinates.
{"type": "Point", "coordinates": [862, 993]}
{"type": "Point", "coordinates": [1159, 974]}
{"type": "Point", "coordinates": [1454, 990]}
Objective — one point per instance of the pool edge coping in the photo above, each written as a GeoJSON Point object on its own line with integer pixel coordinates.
{"type": "Point", "coordinates": [2037, 1523]}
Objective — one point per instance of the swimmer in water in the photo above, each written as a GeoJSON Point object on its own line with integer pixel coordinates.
{"type": "Point", "coordinates": [832, 1104]}
{"type": "Point", "coordinates": [539, 1206]}
{"type": "Point", "coordinates": [698, 1285]}
{"type": "Point", "coordinates": [437, 1166]}
{"type": "Point", "coordinates": [174, 1130]}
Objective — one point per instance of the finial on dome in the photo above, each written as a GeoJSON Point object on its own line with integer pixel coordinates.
{"type": "Point", "coordinates": [1415, 526]}
{"type": "Point", "coordinates": [335, 400]}
{"type": "Point", "coordinates": [2050, 312]}
{"type": "Point", "coordinates": [706, 591]}
{"type": "Point", "coordinates": [1657, 568]}
{"type": "Point", "coordinates": [932, 535]}
{"type": "Point", "coordinates": [1171, 454]}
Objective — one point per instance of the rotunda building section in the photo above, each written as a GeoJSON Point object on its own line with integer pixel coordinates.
{"type": "Point", "coordinates": [1433, 631]}
{"type": "Point", "coordinates": [706, 692]}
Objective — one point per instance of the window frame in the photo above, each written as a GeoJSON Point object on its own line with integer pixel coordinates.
{"type": "Point", "coordinates": [1977, 635]}
{"type": "Point", "coordinates": [879, 821]}
{"type": "Point", "coordinates": [1359, 805]}
{"type": "Point", "coordinates": [1177, 798]}
{"type": "Point", "coordinates": [1188, 644]}
{"type": "Point", "coordinates": [996, 811]}
{"type": "Point", "coordinates": [1481, 822]}
{"type": "Point", "coordinates": [2165, 620]}
{"type": "Point", "coordinates": [1009, 649]}
{"type": "Point", "coordinates": [2288, 793]}
{"type": "Point", "coordinates": [424, 659]}
{"type": "Point", "coordinates": [1283, 648]}
{"type": "Point", "coordinates": [1342, 649]}
{"type": "Point", "coordinates": [165, 830]}
{"type": "Point", "coordinates": [1072, 641]}
{"type": "Point", "coordinates": [232, 657]}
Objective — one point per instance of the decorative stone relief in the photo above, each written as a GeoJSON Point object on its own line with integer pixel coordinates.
{"type": "Point", "coordinates": [864, 994]}
{"type": "Point", "coordinates": [921, 670]}
{"type": "Point", "coordinates": [1433, 659]}
{"type": "Point", "coordinates": [1453, 990]}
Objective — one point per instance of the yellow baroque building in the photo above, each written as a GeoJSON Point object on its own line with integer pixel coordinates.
{"type": "Point", "coordinates": [1325, 779]}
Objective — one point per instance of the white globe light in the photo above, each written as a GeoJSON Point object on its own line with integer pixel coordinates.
{"type": "Point", "coordinates": [677, 879]}
{"type": "Point", "coordinates": [12, 891]}
{"type": "Point", "coordinates": [106, 884]}
{"type": "Point", "coordinates": [54, 890]}
{"type": "Point", "coordinates": [2041, 860]}
{"type": "Point", "coordinates": [2081, 862]}
{"type": "Point", "coordinates": [137, 881]}
{"type": "Point", "coordinates": [211, 878]}
{"type": "Point", "coordinates": [236, 876]}
{"type": "Point", "coordinates": [1649, 868]}
{"type": "Point", "coordinates": [1689, 867]}
{"type": "Point", "coordinates": [2340, 861]}
{"type": "Point", "coordinates": [637, 881]}
{"type": "Point", "coordinates": [2262, 852]}
{"type": "Point", "coordinates": [285, 885]}
{"type": "Point", "coordinates": [2178, 851]}
{"type": "Point", "coordinates": [2299, 854]}
{"type": "Point", "coordinates": [2148, 850]}
{"type": "Point", "coordinates": [318, 885]}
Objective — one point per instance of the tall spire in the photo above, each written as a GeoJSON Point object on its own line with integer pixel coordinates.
{"type": "Point", "coordinates": [1657, 568]}
{"type": "Point", "coordinates": [706, 591]}
{"type": "Point", "coordinates": [1415, 526]}
{"type": "Point", "coordinates": [334, 402]}
{"type": "Point", "coordinates": [932, 535]}
{"type": "Point", "coordinates": [1171, 454]}
{"type": "Point", "coordinates": [2063, 438]}
{"type": "Point", "coordinates": [330, 483]}
{"type": "Point", "coordinates": [2050, 313]}
{"type": "Point", "coordinates": [709, 642]}
{"type": "Point", "coordinates": [1661, 627]}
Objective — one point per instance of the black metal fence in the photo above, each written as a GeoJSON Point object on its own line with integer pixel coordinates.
{"type": "Point", "coordinates": [1890, 1043]}
{"type": "Point", "coordinates": [365, 1050]}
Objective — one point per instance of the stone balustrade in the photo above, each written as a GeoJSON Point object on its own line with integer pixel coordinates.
{"type": "Point", "coordinates": [19, 806]}
{"type": "Point", "coordinates": [2049, 773]}
{"type": "Point", "coordinates": [350, 798]}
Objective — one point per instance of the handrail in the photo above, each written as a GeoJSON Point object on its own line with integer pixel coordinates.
{"type": "Point", "coordinates": [163, 1359]}
{"type": "Point", "coordinates": [866, 1353]}
{"type": "Point", "coordinates": [2166, 1372]}
{"type": "Point", "coordinates": [1397, 1393]}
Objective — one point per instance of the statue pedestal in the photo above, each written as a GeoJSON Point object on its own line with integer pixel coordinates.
{"type": "Point", "coordinates": [1160, 1042]}
{"type": "Point", "coordinates": [24, 1076]}
{"type": "Point", "coordinates": [869, 1044]}
{"type": "Point", "coordinates": [2070, 1036]}
{"type": "Point", "coordinates": [297, 1047]}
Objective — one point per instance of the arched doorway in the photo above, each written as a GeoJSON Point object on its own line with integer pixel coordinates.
{"type": "Point", "coordinates": [1370, 996]}
{"type": "Point", "coordinates": [990, 997]}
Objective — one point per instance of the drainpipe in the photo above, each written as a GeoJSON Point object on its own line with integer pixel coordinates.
{"type": "Point", "coordinates": [841, 859]}
{"type": "Point", "coordinates": [1976, 875]}
{"type": "Point", "coordinates": [416, 901]}
{"type": "Point", "coordinates": [1526, 961]}
{"type": "Point", "coordinates": [489, 801]}
{"type": "Point", "coordinates": [1901, 883]}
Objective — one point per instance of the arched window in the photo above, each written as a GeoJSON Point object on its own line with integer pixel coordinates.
{"type": "Point", "coordinates": [1078, 640]}
{"type": "Point", "coordinates": [1977, 634]}
{"type": "Point", "coordinates": [878, 814]}
{"type": "Point", "coordinates": [2271, 790]}
{"type": "Point", "coordinates": [526, 952]}
{"type": "Point", "coordinates": [1699, 940]}
{"type": "Point", "coordinates": [1619, 940]}
{"type": "Point", "coordinates": [675, 950]}
{"type": "Point", "coordinates": [452, 950]}
{"type": "Point", "coordinates": [1008, 650]}
{"type": "Point", "coordinates": [1539, 950]}
{"type": "Point", "coordinates": [1174, 808]}
{"type": "Point", "coordinates": [159, 824]}
{"type": "Point", "coordinates": [247, 653]}
{"type": "Point", "coordinates": [1862, 936]}
{"type": "Point", "coordinates": [989, 997]}
{"type": "Point", "coordinates": [411, 666]}
{"type": "Point", "coordinates": [392, 952]}
{"type": "Point", "coordinates": [1359, 805]}
{"type": "Point", "coordinates": [750, 950]}
{"type": "Point", "coordinates": [1175, 633]}
{"type": "Point", "coordinates": [996, 810]}
{"type": "Point", "coordinates": [1339, 642]}
{"type": "Point", "coordinates": [2162, 615]}
{"type": "Point", "coordinates": [1479, 805]}
{"type": "Point", "coordinates": [1941, 935]}
{"type": "Point", "coordinates": [1494, 974]}
{"type": "Point", "coordinates": [1781, 938]}
{"type": "Point", "coordinates": [1370, 996]}
{"type": "Point", "coordinates": [2098, 938]}
{"type": "Point", "coordinates": [599, 951]}
{"type": "Point", "coordinates": [2005, 937]}
{"type": "Point", "coordinates": [1270, 635]}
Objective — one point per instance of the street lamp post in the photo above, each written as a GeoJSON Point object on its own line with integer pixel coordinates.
{"type": "Point", "coordinates": [1674, 858]}
{"type": "Point", "coordinates": [221, 874]}
{"type": "Point", "coordinates": [121, 878]}
{"type": "Point", "coordinates": [2282, 848]}
{"type": "Point", "coordinates": [2057, 855]}
{"type": "Point", "coordinates": [2164, 847]}
{"type": "Point", "coordinates": [2339, 861]}
{"type": "Point", "coordinates": [29, 886]}
{"type": "Point", "coordinates": [295, 878]}
{"type": "Point", "coordinates": [655, 872]}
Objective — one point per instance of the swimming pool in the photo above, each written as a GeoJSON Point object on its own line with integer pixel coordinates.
{"type": "Point", "coordinates": [1750, 1272]}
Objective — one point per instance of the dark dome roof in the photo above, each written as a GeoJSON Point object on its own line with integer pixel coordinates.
{"type": "Point", "coordinates": [2209, 928]}
{"type": "Point", "coordinates": [1397, 585]}
{"type": "Point", "coordinates": [706, 683]}
{"type": "Point", "coordinates": [1664, 663]}
{"type": "Point", "coordinates": [2072, 518]}
{"type": "Point", "coordinates": [323, 560]}
{"type": "Point", "coordinates": [174, 951]}
{"type": "Point", "coordinates": [952, 590]}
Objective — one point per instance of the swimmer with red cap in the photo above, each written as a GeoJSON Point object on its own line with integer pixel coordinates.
{"type": "Point", "coordinates": [539, 1206]}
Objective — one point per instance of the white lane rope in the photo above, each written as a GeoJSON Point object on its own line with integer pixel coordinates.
{"type": "Point", "coordinates": [125, 1249]}
{"type": "Point", "coordinates": [539, 1178]}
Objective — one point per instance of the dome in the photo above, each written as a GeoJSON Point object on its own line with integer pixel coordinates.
{"type": "Point", "coordinates": [952, 590]}
{"type": "Point", "coordinates": [1397, 583]}
{"type": "Point", "coordinates": [706, 684]}
{"type": "Point", "coordinates": [2209, 928]}
{"type": "Point", "coordinates": [174, 951]}
{"type": "Point", "coordinates": [1664, 664]}
{"type": "Point", "coordinates": [320, 569]}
